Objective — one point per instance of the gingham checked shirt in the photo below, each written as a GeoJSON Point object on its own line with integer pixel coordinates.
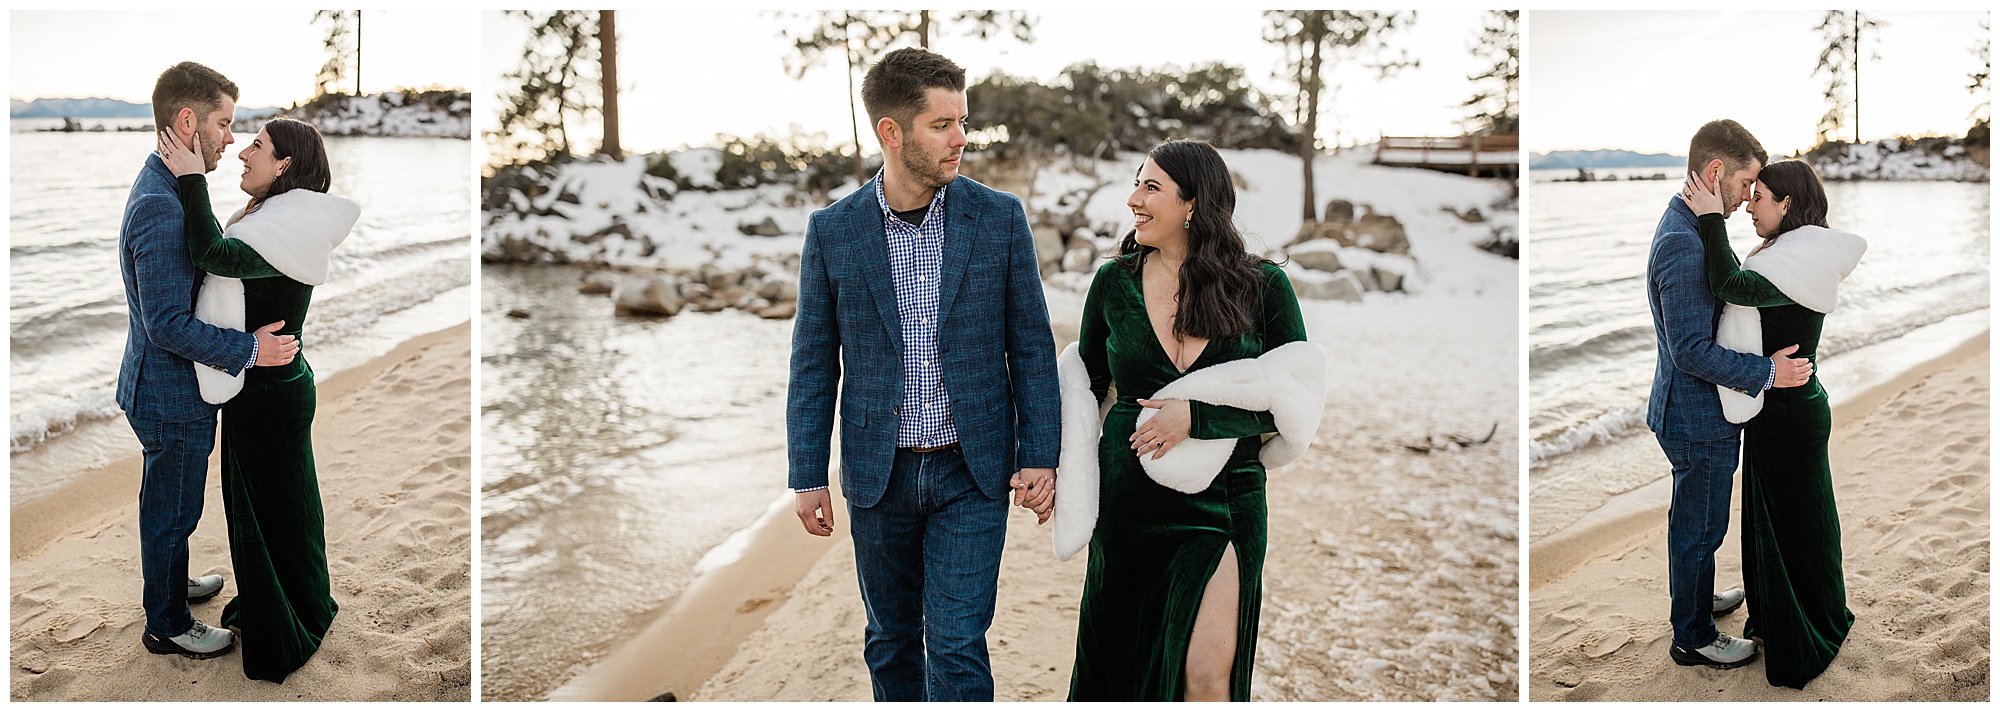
{"type": "Point", "coordinates": [916, 259]}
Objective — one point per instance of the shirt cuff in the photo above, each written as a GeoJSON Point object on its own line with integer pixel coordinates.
{"type": "Point", "coordinates": [253, 354]}
{"type": "Point", "coordinates": [1772, 379]}
{"type": "Point", "coordinates": [803, 490]}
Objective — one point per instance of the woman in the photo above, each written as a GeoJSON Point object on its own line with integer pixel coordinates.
{"type": "Point", "coordinates": [1791, 531]}
{"type": "Point", "coordinates": [1171, 597]}
{"type": "Point", "coordinates": [278, 246]}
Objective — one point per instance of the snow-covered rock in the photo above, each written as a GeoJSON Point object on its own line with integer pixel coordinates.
{"type": "Point", "coordinates": [435, 114]}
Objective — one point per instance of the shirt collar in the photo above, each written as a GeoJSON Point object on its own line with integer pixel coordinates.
{"type": "Point", "coordinates": [882, 199]}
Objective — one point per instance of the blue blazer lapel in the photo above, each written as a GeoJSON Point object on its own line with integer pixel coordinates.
{"type": "Point", "coordinates": [960, 231]}
{"type": "Point", "coordinates": [871, 239]}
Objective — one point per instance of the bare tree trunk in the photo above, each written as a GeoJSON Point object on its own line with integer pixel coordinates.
{"type": "Point", "coordinates": [1857, 76]}
{"type": "Point", "coordinates": [1307, 151]}
{"type": "Point", "coordinates": [924, 29]}
{"type": "Point", "coordinates": [357, 53]}
{"type": "Point", "coordinates": [860, 174]}
{"type": "Point", "coordinates": [607, 42]}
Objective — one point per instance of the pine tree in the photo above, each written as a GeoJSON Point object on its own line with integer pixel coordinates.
{"type": "Point", "coordinates": [1496, 103]}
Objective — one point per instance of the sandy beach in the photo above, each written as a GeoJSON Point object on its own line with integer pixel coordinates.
{"type": "Point", "coordinates": [1391, 574]}
{"type": "Point", "coordinates": [393, 442]}
{"type": "Point", "coordinates": [1910, 470]}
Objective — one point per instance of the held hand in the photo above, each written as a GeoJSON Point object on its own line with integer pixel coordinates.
{"type": "Point", "coordinates": [180, 158]}
{"type": "Point", "coordinates": [1791, 372]}
{"type": "Point", "coordinates": [275, 349]}
{"type": "Point", "coordinates": [1035, 489]}
{"type": "Point", "coordinates": [816, 512]}
{"type": "Point", "coordinates": [1702, 197]}
{"type": "Point", "coordinates": [1166, 428]}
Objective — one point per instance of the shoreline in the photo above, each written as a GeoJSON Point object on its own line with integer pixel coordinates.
{"type": "Point", "coordinates": [41, 521]}
{"type": "Point", "coordinates": [1610, 526]}
{"type": "Point", "coordinates": [394, 459]}
{"type": "Point", "coordinates": [1347, 549]}
{"type": "Point", "coordinates": [1910, 463]}
{"type": "Point", "coordinates": [1863, 376]}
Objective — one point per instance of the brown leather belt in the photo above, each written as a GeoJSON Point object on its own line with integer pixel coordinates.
{"type": "Point", "coordinates": [953, 446]}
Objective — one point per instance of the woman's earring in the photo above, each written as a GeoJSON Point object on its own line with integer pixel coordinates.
{"type": "Point", "coordinates": [1184, 224]}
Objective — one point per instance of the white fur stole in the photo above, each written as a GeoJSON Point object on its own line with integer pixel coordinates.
{"type": "Point", "coordinates": [296, 232]}
{"type": "Point", "coordinates": [1288, 381]}
{"type": "Point", "coordinates": [1807, 264]}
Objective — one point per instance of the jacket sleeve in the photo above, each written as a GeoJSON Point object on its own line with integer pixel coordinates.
{"type": "Point", "coordinates": [1726, 280]}
{"type": "Point", "coordinates": [1031, 351]}
{"type": "Point", "coordinates": [207, 248]}
{"type": "Point", "coordinates": [811, 393]}
{"type": "Point", "coordinates": [166, 306]}
{"type": "Point", "coordinates": [1282, 324]}
{"type": "Point", "coordinates": [1689, 323]}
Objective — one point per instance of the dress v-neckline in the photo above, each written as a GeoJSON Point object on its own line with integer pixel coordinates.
{"type": "Point", "coordinates": [1159, 345]}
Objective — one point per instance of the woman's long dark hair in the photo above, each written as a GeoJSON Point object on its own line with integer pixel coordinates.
{"type": "Point", "coordinates": [299, 141]}
{"type": "Point", "coordinates": [1222, 291]}
{"type": "Point", "coordinates": [1796, 180]}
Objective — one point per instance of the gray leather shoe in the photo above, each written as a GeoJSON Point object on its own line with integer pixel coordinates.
{"type": "Point", "coordinates": [1726, 601]}
{"type": "Point", "coordinates": [204, 588]}
{"type": "Point", "coordinates": [199, 642]}
{"type": "Point", "coordinates": [1726, 652]}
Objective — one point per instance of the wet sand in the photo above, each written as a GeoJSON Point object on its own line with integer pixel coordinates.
{"type": "Point", "coordinates": [393, 442]}
{"type": "Point", "coordinates": [1910, 470]}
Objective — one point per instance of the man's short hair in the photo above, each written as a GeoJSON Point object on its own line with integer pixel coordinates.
{"type": "Point", "coordinates": [189, 85]}
{"type": "Point", "coordinates": [895, 86]}
{"type": "Point", "coordinates": [1729, 141]}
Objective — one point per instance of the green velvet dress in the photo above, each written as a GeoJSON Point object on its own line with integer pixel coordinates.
{"type": "Point", "coordinates": [1791, 530]}
{"type": "Point", "coordinates": [1154, 549]}
{"type": "Point", "coordinates": [270, 492]}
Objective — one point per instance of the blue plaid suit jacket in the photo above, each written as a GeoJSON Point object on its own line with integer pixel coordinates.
{"type": "Point", "coordinates": [1684, 404]}
{"type": "Point", "coordinates": [994, 345]}
{"type": "Point", "coordinates": [163, 340]}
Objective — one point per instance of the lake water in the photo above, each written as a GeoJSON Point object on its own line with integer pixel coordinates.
{"type": "Point", "coordinates": [1590, 335]}
{"type": "Point", "coordinates": [615, 454]}
{"type": "Point", "coordinates": [404, 271]}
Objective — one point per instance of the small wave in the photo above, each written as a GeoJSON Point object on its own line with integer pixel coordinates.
{"type": "Point", "coordinates": [42, 423]}
{"type": "Point", "coordinates": [1605, 428]}
{"type": "Point", "coordinates": [1620, 342]}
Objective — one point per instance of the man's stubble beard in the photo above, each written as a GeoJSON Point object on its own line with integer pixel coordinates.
{"type": "Point", "coordinates": [925, 168]}
{"type": "Point", "coordinates": [209, 156]}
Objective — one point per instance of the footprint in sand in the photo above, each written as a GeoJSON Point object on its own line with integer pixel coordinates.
{"type": "Point", "coordinates": [1609, 644]}
{"type": "Point", "coordinates": [76, 629]}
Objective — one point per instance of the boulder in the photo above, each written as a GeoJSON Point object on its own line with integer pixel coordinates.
{"type": "Point", "coordinates": [601, 282]}
{"type": "Point", "coordinates": [1387, 281]}
{"type": "Point", "coordinates": [780, 310]}
{"type": "Point", "coordinates": [768, 227]}
{"type": "Point", "coordinates": [778, 288]}
{"type": "Point", "coordinates": [1049, 248]}
{"type": "Point", "coordinates": [648, 295]}
{"type": "Point", "coordinates": [1080, 258]}
{"type": "Point", "coordinates": [1323, 260]}
{"type": "Point", "coordinates": [1381, 233]}
{"type": "Point", "coordinates": [1342, 285]}
{"type": "Point", "coordinates": [1339, 213]}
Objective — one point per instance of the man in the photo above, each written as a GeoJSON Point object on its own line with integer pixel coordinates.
{"type": "Point", "coordinates": [920, 296]}
{"type": "Point", "coordinates": [156, 381]}
{"type": "Point", "coordinates": [1685, 413]}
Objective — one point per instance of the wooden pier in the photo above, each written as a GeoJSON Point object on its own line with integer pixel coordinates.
{"type": "Point", "coordinates": [1483, 155]}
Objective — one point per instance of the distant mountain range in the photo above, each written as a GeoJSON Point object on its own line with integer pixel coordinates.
{"type": "Point", "coordinates": [1606, 158]}
{"type": "Point", "coordinates": [99, 108]}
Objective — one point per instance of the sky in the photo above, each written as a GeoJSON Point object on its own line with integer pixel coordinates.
{"type": "Point", "coordinates": [692, 73]}
{"type": "Point", "coordinates": [1644, 81]}
{"type": "Point", "coordinates": [271, 55]}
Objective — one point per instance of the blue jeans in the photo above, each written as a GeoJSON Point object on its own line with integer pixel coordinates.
{"type": "Point", "coordinates": [928, 556]}
{"type": "Point", "coordinates": [170, 495]}
{"type": "Point", "coordinates": [1696, 523]}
